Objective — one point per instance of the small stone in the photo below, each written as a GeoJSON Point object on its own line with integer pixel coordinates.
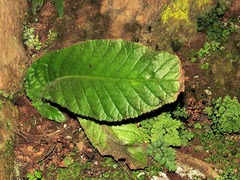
{"type": "Point", "coordinates": [209, 93]}
{"type": "Point", "coordinates": [161, 176]}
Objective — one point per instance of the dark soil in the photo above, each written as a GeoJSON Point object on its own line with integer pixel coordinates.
{"type": "Point", "coordinates": [41, 140]}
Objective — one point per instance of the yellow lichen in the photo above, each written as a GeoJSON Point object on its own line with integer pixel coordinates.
{"type": "Point", "coordinates": [178, 10]}
{"type": "Point", "coordinates": [181, 10]}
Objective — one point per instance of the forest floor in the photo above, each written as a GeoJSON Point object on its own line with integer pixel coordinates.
{"type": "Point", "coordinates": [62, 151]}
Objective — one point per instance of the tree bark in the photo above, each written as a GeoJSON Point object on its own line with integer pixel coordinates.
{"type": "Point", "coordinates": [12, 67]}
{"type": "Point", "coordinates": [12, 55]}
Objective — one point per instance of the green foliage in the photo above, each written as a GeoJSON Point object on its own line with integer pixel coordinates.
{"type": "Point", "coordinates": [208, 47]}
{"type": "Point", "coordinates": [204, 65]}
{"type": "Point", "coordinates": [103, 79]}
{"type": "Point", "coordinates": [52, 36]}
{"type": "Point", "coordinates": [162, 154]}
{"type": "Point", "coordinates": [225, 115]}
{"type": "Point", "coordinates": [185, 135]}
{"type": "Point", "coordinates": [163, 127]}
{"type": "Point", "coordinates": [37, 175]}
{"type": "Point", "coordinates": [197, 126]}
{"type": "Point", "coordinates": [217, 33]}
{"type": "Point", "coordinates": [9, 149]}
{"type": "Point", "coordinates": [180, 113]}
{"type": "Point", "coordinates": [229, 174]}
{"type": "Point", "coordinates": [68, 160]}
{"type": "Point", "coordinates": [76, 170]}
{"type": "Point", "coordinates": [71, 172]}
{"type": "Point", "coordinates": [163, 132]}
{"type": "Point", "coordinates": [30, 39]}
{"type": "Point", "coordinates": [115, 170]}
{"type": "Point", "coordinates": [166, 128]}
{"type": "Point", "coordinates": [211, 23]}
{"type": "Point", "coordinates": [193, 59]}
{"type": "Point", "coordinates": [37, 5]}
{"type": "Point", "coordinates": [224, 154]}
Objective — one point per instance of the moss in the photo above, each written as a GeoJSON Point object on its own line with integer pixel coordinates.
{"type": "Point", "coordinates": [7, 160]}
{"type": "Point", "coordinates": [9, 149]}
{"type": "Point", "coordinates": [1, 104]}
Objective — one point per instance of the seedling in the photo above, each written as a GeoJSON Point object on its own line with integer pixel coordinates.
{"type": "Point", "coordinates": [37, 175]}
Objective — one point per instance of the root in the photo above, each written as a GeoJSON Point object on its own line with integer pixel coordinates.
{"type": "Point", "coordinates": [202, 166]}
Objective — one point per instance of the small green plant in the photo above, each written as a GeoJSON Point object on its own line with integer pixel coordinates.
{"type": "Point", "coordinates": [209, 47]}
{"type": "Point", "coordinates": [211, 18]}
{"type": "Point", "coordinates": [216, 30]}
{"type": "Point", "coordinates": [37, 175]}
{"type": "Point", "coordinates": [180, 113]}
{"type": "Point", "coordinates": [52, 35]}
{"type": "Point", "coordinates": [162, 154]}
{"type": "Point", "coordinates": [225, 115]}
{"type": "Point", "coordinates": [67, 161]}
{"type": "Point", "coordinates": [162, 133]}
{"type": "Point", "coordinates": [229, 174]}
{"type": "Point", "coordinates": [224, 154]}
{"type": "Point", "coordinates": [30, 39]}
{"type": "Point", "coordinates": [205, 50]}
{"type": "Point", "coordinates": [211, 24]}
{"type": "Point", "coordinates": [193, 59]}
{"type": "Point", "coordinates": [204, 65]}
{"type": "Point", "coordinates": [197, 126]}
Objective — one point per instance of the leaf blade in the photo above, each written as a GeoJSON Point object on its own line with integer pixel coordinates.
{"type": "Point", "coordinates": [120, 142]}
{"type": "Point", "coordinates": [105, 79]}
{"type": "Point", "coordinates": [59, 4]}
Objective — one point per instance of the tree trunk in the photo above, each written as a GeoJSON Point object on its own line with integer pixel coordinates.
{"type": "Point", "coordinates": [12, 67]}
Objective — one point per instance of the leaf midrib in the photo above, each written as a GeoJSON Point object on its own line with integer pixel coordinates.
{"type": "Point", "coordinates": [109, 79]}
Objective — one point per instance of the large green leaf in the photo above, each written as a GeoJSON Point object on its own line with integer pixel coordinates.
{"type": "Point", "coordinates": [104, 79]}
{"type": "Point", "coordinates": [122, 142]}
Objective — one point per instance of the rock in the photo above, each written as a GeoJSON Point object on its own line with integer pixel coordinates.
{"type": "Point", "coordinates": [123, 12]}
{"type": "Point", "coordinates": [186, 171]}
{"type": "Point", "coordinates": [158, 23]}
{"type": "Point", "coordinates": [192, 167]}
{"type": "Point", "coordinates": [161, 176]}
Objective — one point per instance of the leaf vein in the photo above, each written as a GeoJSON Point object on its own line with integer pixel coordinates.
{"type": "Point", "coordinates": [129, 102]}
{"type": "Point", "coordinates": [112, 60]}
